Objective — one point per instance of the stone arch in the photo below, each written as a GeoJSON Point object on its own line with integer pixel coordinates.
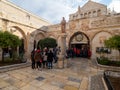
{"type": "Point", "coordinates": [79, 42]}
{"type": "Point", "coordinates": [77, 33]}
{"type": "Point", "coordinates": [22, 33]}
{"type": "Point", "coordinates": [38, 36]}
{"type": "Point", "coordinates": [98, 41]}
{"type": "Point", "coordinates": [98, 33]}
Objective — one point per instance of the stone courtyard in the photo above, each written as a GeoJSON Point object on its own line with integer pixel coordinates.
{"type": "Point", "coordinates": [88, 28]}
{"type": "Point", "coordinates": [80, 75]}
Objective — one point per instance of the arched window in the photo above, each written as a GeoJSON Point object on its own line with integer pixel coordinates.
{"type": "Point", "coordinates": [85, 15]}
{"type": "Point", "coordinates": [94, 13]}
{"type": "Point", "coordinates": [81, 15]}
{"type": "Point", "coordinates": [99, 12]}
{"type": "Point", "coordinates": [89, 14]}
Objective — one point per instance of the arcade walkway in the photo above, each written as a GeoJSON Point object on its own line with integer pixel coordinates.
{"type": "Point", "coordinates": [78, 76]}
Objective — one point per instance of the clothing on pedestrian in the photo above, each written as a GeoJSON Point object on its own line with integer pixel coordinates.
{"type": "Point", "coordinates": [44, 59]}
{"type": "Point", "coordinates": [32, 59]}
{"type": "Point", "coordinates": [38, 59]}
{"type": "Point", "coordinates": [50, 59]}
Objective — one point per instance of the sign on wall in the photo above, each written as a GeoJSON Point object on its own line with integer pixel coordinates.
{"type": "Point", "coordinates": [103, 50]}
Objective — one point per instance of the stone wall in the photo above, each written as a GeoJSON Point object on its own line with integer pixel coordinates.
{"type": "Point", "coordinates": [21, 23]}
{"type": "Point", "coordinates": [97, 29]}
{"type": "Point", "coordinates": [14, 13]}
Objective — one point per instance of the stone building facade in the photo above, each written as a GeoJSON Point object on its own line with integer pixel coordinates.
{"type": "Point", "coordinates": [88, 27]}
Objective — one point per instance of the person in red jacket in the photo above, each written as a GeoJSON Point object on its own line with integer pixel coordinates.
{"type": "Point", "coordinates": [89, 53]}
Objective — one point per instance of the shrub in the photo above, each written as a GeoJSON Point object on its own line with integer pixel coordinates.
{"type": "Point", "coordinates": [106, 61]}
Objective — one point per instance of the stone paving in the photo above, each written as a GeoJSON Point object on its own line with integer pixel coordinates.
{"type": "Point", "coordinates": [76, 77]}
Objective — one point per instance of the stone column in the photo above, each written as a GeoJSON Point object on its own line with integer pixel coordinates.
{"type": "Point", "coordinates": [26, 48]}
{"type": "Point", "coordinates": [62, 63]}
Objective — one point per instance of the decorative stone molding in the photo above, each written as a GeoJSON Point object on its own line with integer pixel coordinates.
{"type": "Point", "coordinates": [85, 25]}
{"type": "Point", "coordinates": [105, 22]}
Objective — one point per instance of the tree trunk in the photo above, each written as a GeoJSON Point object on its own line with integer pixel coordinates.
{"type": "Point", "coordinates": [2, 55]}
{"type": "Point", "coordinates": [14, 53]}
{"type": "Point", "coordinates": [119, 54]}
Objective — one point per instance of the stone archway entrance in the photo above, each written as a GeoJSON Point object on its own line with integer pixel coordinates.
{"type": "Point", "coordinates": [20, 33]}
{"type": "Point", "coordinates": [80, 44]}
{"type": "Point", "coordinates": [37, 38]}
{"type": "Point", "coordinates": [22, 49]}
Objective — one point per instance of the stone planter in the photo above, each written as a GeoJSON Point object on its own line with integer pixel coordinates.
{"type": "Point", "coordinates": [105, 67]}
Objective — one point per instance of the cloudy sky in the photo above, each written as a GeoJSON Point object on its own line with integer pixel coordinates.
{"type": "Point", "coordinates": [54, 10]}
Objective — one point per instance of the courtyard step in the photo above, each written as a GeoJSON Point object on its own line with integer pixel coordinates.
{"type": "Point", "coordinates": [14, 67]}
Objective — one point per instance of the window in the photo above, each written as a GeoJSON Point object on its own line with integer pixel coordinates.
{"type": "Point", "coordinates": [85, 14]}
{"type": "Point", "coordinates": [89, 14]}
{"type": "Point", "coordinates": [81, 15]}
{"type": "Point", "coordinates": [98, 12]}
{"type": "Point", "coordinates": [94, 13]}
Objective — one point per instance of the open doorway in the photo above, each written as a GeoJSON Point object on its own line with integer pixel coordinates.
{"type": "Point", "coordinates": [79, 45]}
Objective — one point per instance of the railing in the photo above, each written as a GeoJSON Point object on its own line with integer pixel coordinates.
{"type": "Point", "coordinates": [107, 80]}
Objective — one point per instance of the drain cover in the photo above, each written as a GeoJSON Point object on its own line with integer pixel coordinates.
{"type": "Point", "coordinates": [40, 78]}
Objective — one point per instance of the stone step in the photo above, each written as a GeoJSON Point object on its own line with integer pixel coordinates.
{"type": "Point", "coordinates": [14, 67]}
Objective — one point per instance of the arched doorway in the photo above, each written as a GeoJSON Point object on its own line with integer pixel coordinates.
{"type": "Point", "coordinates": [20, 33]}
{"type": "Point", "coordinates": [37, 38]}
{"type": "Point", "coordinates": [21, 50]}
{"type": "Point", "coordinates": [80, 44]}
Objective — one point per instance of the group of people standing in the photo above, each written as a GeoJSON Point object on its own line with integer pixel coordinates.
{"type": "Point", "coordinates": [76, 52]}
{"type": "Point", "coordinates": [43, 59]}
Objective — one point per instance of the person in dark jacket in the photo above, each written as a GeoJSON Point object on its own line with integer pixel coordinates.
{"type": "Point", "coordinates": [50, 59]}
{"type": "Point", "coordinates": [32, 59]}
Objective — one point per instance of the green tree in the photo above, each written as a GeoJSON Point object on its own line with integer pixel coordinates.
{"type": "Point", "coordinates": [8, 40]}
{"type": "Point", "coordinates": [47, 42]}
{"type": "Point", "coordinates": [114, 43]}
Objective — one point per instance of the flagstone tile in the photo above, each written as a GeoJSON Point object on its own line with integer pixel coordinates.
{"type": "Point", "coordinates": [3, 83]}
